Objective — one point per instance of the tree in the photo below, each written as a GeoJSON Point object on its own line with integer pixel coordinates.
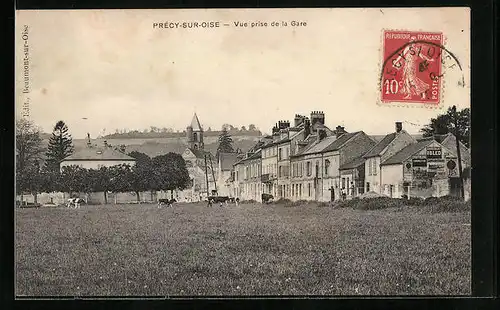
{"type": "Point", "coordinates": [60, 146]}
{"type": "Point", "coordinates": [169, 172]}
{"type": "Point", "coordinates": [252, 127]}
{"type": "Point", "coordinates": [72, 179]}
{"type": "Point", "coordinates": [28, 150]}
{"type": "Point", "coordinates": [103, 182]}
{"type": "Point", "coordinates": [444, 123]}
{"type": "Point", "coordinates": [225, 143]}
{"type": "Point", "coordinates": [243, 128]}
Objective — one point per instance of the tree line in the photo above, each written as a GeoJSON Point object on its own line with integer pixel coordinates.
{"type": "Point", "coordinates": [155, 132]}
{"type": "Point", "coordinates": [163, 172]}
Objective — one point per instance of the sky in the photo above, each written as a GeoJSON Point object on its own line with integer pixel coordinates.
{"type": "Point", "coordinates": [112, 70]}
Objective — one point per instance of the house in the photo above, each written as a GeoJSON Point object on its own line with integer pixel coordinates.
{"type": "Point", "coordinates": [269, 177]}
{"type": "Point", "coordinates": [316, 168]}
{"type": "Point", "coordinates": [387, 147]}
{"type": "Point", "coordinates": [96, 157]}
{"type": "Point", "coordinates": [448, 140]}
{"type": "Point", "coordinates": [248, 176]}
{"type": "Point", "coordinates": [291, 141]}
{"type": "Point", "coordinates": [354, 172]}
{"type": "Point", "coordinates": [423, 169]}
{"type": "Point", "coordinates": [224, 173]}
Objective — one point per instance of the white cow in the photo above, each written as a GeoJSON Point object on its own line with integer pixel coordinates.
{"type": "Point", "coordinates": [74, 202]}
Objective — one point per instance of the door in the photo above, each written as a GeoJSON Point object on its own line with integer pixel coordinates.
{"type": "Point", "coordinates": [454, 187]}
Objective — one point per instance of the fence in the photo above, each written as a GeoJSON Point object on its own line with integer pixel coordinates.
{"type": "Point", "coordinates": [116, 198]}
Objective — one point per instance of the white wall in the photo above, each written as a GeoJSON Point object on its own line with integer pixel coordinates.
{"type": "Point", "coordinates": [373, 179]}
{"type": "Point", "coordinates": [392, 175]}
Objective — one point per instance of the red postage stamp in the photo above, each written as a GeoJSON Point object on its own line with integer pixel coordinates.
{"type": "Point", "coordinates": [412, 67]}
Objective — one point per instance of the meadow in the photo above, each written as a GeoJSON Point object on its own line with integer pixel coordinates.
{"type": "Point", "coordinates": [250, 249]}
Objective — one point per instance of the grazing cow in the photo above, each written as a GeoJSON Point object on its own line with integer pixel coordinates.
{"type": "Point", "coordinates": [74, 202]}
{"type": "Point", "coordinates": [168, 202]}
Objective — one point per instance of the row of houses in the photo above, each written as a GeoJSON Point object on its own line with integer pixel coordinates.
{"type": "Point", "coordinates": [309, 161]}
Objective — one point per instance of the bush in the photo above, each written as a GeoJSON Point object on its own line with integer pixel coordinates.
{"type": "Point", "coordinates": [248, 201]}
{"type": "Point", "coordinates": [282, 201]}
{"type": "Point", "coordinates": [433, 204]}
{"type": "Point", "coordinates": [297, 203]}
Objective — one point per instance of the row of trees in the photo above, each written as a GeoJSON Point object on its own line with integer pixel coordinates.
{"type": "Point", "coordinates": [165, 172]}
{"type": "Point", "coordinates": [155, 132]}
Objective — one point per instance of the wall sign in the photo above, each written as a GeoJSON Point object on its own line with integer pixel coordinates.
{"type": "Point", "coordinates": [434, 152]}
{"type": "Point", "coordinates": [419, 162]}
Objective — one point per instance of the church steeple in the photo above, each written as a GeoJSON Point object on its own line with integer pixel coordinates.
{"type": "Point", "coordinates": [194, 134]}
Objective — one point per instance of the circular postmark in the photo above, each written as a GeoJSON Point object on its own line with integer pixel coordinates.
{"type": "Point", "coordinates": [414, 68]}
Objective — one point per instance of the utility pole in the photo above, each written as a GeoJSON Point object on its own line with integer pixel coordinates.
{"type": "Point", "coordinates": [457, 135]}
{"type": "Point", "coordinates": [206, 174]}
{"type": "Point", "coordinates": [213, 176]}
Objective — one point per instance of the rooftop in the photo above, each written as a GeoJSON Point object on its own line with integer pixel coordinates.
{"type": "Point", "coordinates": [353, 163]}
{"type": "Point", "coordinates": [195, 123]}
{"type": "Point", "coordinates": [104, 153]}
{"type": "Point", "coordinates": [408, 151]}
{"type": "Point", "coordinates": [381, 145]}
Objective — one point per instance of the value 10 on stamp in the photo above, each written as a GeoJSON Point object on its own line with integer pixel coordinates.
{"type": "Point", "coordinates": [411, 67]}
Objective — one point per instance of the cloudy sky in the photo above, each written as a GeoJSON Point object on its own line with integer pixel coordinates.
{"type": "Point", "coordinates": [114, 69]}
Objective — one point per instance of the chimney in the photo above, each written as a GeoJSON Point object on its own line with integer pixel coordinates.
{"type": "Point", "coordinates": [399, 126]}
{"type": "Point", "coordinates": [89, 143]}
{"type": "Point", "coordinates": [307, 127]}
{"type": "Point", "coordinates": [321, 135]}
{"type": "Point", "coordinates": [339, 130]}
{"type": "Point", "coordinates": [299, 119]}
{"type": "Point", "coordinates": [283, 124]}
{"type": "Point", "coordinates": [317, 117]}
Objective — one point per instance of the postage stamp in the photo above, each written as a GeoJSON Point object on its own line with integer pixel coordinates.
{"type": "Point", "coordinates": [412, 67]}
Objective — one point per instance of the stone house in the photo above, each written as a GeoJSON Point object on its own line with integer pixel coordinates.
{"type": "Point", "coordinates": [387, 147]}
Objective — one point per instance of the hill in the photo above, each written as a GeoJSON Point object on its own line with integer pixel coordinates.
{"type": "Point", "coordinates": [158, 146]}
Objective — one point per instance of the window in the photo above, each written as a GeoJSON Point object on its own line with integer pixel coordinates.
{"type": "Point", "coordinates": [374, 166]}
{"type": "Point", "coordinates": [279, 171]}
{"type": "Point", "coordinates": [300, 190]}
{"type": "Point", "coordinates": [316, 172]}
{"type": "Point", "coordinates": [343, 183]}
{"type": "Point", "coordinates": [309, 189]}
{"type": "Point", "coordinates": [280, 154]}
{"type": "Point", "coordinates": [309, 168]}
{"type": "Point", "coordinates": [327, 166]}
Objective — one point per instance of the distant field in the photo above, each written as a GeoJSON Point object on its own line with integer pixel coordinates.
{"type": "Point", "coordinates": [244, 250]}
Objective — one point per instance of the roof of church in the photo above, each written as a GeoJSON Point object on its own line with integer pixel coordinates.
{"type": "Point", "coordinates": [195, 123]}
{"type": "Point", "coordinates": [201, 153]}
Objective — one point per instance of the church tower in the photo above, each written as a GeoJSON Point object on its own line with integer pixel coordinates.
{"type": "Point", "coordinates": [194, 134]}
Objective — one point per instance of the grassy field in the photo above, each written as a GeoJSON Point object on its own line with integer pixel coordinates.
{"type": "Point", "coordinates": [244, 250]}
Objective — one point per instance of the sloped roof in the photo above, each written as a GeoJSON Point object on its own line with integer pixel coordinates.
{"type": "Point", "coordinates": [449, 142]}
{"type": "Point", "coordinates": [104, 153]}
{"type": "Point", "coordinates": [353, 163]}
{"type": "Point", "coordinates": [195, 123]}
{"type": "Point", "coordinates": [317, 147]}
{"type": "Point", "coordinates": [201, 153]}
{"type": "Point", "coordinates": [227, 160]}
{"type": "Point", "coordinates": [380, 146]}
{"type": "Point", "coordinates": [340, 141]}
{"type": "Point", "coordinates": [407, 152]}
